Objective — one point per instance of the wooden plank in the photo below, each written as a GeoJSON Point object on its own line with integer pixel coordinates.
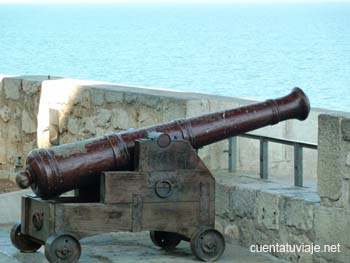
{"type": "Point", "coordinates": [119, 187]}
{"type": "Point", "coordinates": [204, 204]}
{"type": "Point", "coordinates": [180, 217]}
{"type": "Point", "coordinates": [44, 209]}
{"type": "Point", "coordinates": [137, 211]}
{"type": "Point", "coordinates": [93, 218]}
{"type": "Point", "coordinates": [178, 155]}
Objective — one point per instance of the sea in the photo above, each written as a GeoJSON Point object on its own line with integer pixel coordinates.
{"type": "Point", "coordinates": [254, 51]}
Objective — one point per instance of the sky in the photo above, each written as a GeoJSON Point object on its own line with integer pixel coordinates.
{"type": "Point", "coordinates": [170, 1]}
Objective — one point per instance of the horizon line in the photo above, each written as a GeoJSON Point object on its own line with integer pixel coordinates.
{"type": "Point", "coordinates": [172, 1]}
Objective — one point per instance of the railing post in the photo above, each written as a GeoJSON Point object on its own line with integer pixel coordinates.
{"type": "Point", "coordinates": [298, 165]}
{"type": "Point", "coordinates": [264, 159]}
{"type": "Point", "coordinates": [232, 154]}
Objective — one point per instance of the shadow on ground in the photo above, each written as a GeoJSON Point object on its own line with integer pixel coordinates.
{"type": "Point", "coordinates": [128, 247]}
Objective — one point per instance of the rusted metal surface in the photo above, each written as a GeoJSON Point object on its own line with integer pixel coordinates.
{"type": "Point", "coordinates": [59, 169]}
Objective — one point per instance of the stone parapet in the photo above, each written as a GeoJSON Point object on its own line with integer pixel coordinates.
{"type": "Point", "coordinates": [334, 160]}
{"type": "Point", "coordinates": [259, 212]}
{"type": "Point", "coordinates": [19, 103]}
{"type": "Point", "coordinates": [51, 111]}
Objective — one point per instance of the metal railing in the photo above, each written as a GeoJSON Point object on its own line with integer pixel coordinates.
{"type": "Point", "coordinates": [264, 164]}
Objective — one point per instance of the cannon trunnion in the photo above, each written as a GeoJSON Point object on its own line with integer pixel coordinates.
{"type": "Point", "coordinates": [170, 192]}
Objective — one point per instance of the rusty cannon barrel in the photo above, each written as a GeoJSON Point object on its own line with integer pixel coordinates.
{"type": "Point", "coordinates": [53, 171]}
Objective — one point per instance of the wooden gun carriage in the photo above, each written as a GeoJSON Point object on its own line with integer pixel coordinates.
{"type": "Point", "coordinates": [149, 179]}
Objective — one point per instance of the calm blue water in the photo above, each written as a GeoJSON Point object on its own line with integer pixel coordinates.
{"type": "Point", "coordinates": [253, 51]}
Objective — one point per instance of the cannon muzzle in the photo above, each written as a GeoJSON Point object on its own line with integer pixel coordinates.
{"type": "Point", "coordinates": [53, 171]}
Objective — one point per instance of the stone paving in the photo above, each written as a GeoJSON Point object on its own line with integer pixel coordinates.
{"type": "Point", "coordinates": [128, 247]}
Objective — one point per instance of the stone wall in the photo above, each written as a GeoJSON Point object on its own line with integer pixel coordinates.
{"type": "Point", "coordinates": [265, 213]}
{"type": "Point", "coordinates": [257, 212]}
{"type": "Point", "coordinates": [332, 220]}
{"type": "Point", "coordinates": [19, 102]}
{"type": "Point", "coordinates": [82, 109]}
{"type": "Point", "coordinates": [71, 110]}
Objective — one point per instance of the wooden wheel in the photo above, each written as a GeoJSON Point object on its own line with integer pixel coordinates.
{"type": "Point", "coordinates": [62, 248]}
{"type": "Point", "coordinates": [166, 240]}
{"type": "Point", "coordinates": [207, 244]}
{"type": "Point", "coordinates": [22, 242]}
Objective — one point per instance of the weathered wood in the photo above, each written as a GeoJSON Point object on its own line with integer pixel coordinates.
{"type": "Point", "coordinates": [165, 199]}
{"type": "Point", "coordinates": [179, 217]}
{"type": "Point", "coordinates": [137, 213]}
{"type": "Point", "coordinates": [92, 218]}
{"type": "Point", "coordinates": [150, 157]}
{"type": "Point", "coordinates": [119, 187]}
{"type": "Point", "coordinates": [39, 218]}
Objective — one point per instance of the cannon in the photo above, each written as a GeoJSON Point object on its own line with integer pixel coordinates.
{"type": "Point", "coordinates": [136, 180]}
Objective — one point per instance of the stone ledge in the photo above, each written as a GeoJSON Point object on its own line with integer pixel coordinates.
{"type": "Point", "coordinates": [255, 211]}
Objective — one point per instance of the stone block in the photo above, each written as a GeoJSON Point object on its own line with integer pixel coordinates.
{"type": "Point", "coordinates": [84, 98]}
{"type": "Point", "coordinates": [31, 87]}
{"type": "Point", "coordinates": [243, 202]}
{"type": "Point", "coordinates": [148, 117]}
{"type": "Point", "coordinates": [329, 163]}
{"type": "Point", "coordinates": [147, 100]}
{"type": "Point", "coordinates": [3, 151]}
{"type": "Point", "coordinates": [122, 119]}
{"type": "Point", "coordinates": [172, 108]}
{"type": "Point", "coordinates": [332, 227]}
{"type": "Point", "coordinates": [305, 258]}
{"type": "Point", "coordinates": [74, 125]}
{"type": "Point", "coordinates": [13, 151]}
{"type": "Point", "coordinates": [219, 224]}
{"type": "Point", "coordinates": [347, 162]}
{"type": "Point", "coordinates": [79, 111]}
{"type": "Point", "coordinates": [345, 129]}
{"type": "Point", "coordinates": [5, 114]}
{"type": "Point", "coordinates": [248, 155]}
{"type": "Point", "coordinates": [103, 118]}
{"type": "Point", "coordinates": [221, 103]}
{"type": "Point", "coordinates": [27, 147]}
{"type": "Point", "coordinates": [90, 125]}
{"type": "Point", "coordinates": [333, 171]}
{"type": "Point", "coordinates": [132, 98]}
{"type": "Point", "coordinates": [222, 200]}
{"type": "Point", "coordinates": [97, 96]}
{"type": "Point", "coordinates": [11, 87]}
{"type": "Point", "coordinates": [28, 123]}
{"type": "Point", "coordinates": [197, 107]}
{"type": "Point", "coordinates": [345, 159]}
{"type": "Point", "coordinates": [298, 213]}
{"type": "Point", "coordinates": [13, 133]}
{"type": "Point", "coordinates": [215, 155]}
{"type": "Point", "coordinates": [232, 232]}
{"type": "Point", "coordinates": [268, 210]}
{"type": "Point", "coordinates": [63, 122]}
{"type": "Point", "coordinates": [114, 96]}
{"type": "Point", "coordinates": [247, 231]}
